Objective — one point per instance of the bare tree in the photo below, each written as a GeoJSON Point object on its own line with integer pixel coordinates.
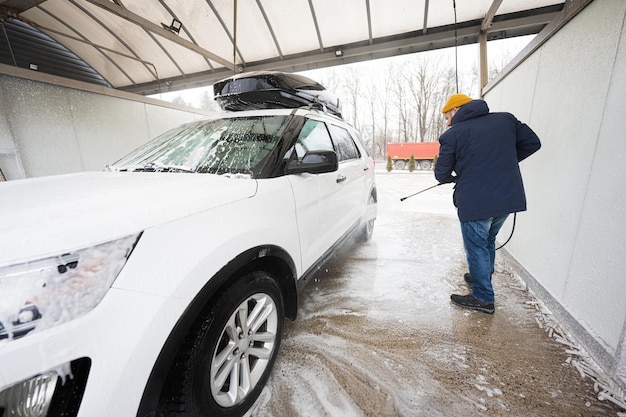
{"type": "Point", "coordinates": [400, 101]}
{"type": "Point", "coordinates": [207, 102]}
{"type": "Point", "coordinates": [382, 101]}
{"type": "Point", "coordinates": [445, 88]}
{"type": "Point", "coordinates": [423, 84]}
{"type": "Point", "coordinates": [372, 92]}
{"type": "Point", "coordinates": [379, 95]}
{"type": "Point", "coordinates": [179, 99]}
{"type": "Point", "coordinates": [351, 84]}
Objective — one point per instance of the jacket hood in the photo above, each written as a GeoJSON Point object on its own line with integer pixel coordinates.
{"type": "Point", "coordinates": [45, 215]}
{"type": "Point", "coordinates": [474, 108]}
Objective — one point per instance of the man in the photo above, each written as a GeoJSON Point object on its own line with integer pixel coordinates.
{"type": "Point", "coordinates": [483, 150]}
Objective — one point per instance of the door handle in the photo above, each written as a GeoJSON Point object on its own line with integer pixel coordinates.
{"type": "Point", "coordinates": [340, 178]}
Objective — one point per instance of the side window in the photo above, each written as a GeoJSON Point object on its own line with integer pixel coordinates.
{"type": "Point", "coordinates": [313, 137]}
{"type": "Point", "coordinates": [346, 148]}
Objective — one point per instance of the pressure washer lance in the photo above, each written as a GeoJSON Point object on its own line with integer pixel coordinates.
{"type": "Point", "coordinates": [441, 183]}
{"type": "Point", "coordinates": [419, 192]}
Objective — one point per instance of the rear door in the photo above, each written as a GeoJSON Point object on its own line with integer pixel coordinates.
{"type": "Point", "coordinates": [348, 201]}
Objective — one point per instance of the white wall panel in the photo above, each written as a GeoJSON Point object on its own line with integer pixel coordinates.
{"type": "Point", "coordinates": [59, 129]}
{"type": "Point", "coordinates": [43, 127]}
{"type": "Point", "coordinates": [572, 92]}
{"type": "Point", "coordinates": [106, 127]}
{"type": "Point", "coordinates": [596, 286]}
{"type": "Point", "coordinates": [160, 119]}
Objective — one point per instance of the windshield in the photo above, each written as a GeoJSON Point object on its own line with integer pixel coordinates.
{"type": "Point", "coordinates": [223, 146]}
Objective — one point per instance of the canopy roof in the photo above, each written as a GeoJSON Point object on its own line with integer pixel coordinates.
{"type": "Point", "coordinates": [152, 46]}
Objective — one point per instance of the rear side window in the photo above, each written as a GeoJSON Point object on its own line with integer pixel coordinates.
{"type": "Point", "coordinates": [346, 148]}
{"type": "Point", "coordinates": [313, 137]}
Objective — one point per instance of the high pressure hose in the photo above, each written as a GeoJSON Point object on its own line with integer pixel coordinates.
{"type": "Point", "coordinates": [441, 183]}
{"type": "Point", "coordinates": [511, 235]}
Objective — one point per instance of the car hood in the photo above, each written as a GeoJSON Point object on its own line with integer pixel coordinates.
{"type": "Point", "coordinates": [49, 215]}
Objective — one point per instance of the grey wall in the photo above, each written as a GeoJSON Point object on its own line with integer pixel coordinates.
{"type": "Point", "coordinates": [51, 126]}
{"type": "Point", "coordinates": [571, 243]}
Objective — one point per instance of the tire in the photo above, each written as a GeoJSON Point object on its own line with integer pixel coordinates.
{"type": "Point", "coordinates": [367, 228]}
{"type": "Point", "coordinates": [399, 164]}
{"type": "Point", "coordinates": [426, 165]}
{"type": "Point", "coordinates": [221, 368]}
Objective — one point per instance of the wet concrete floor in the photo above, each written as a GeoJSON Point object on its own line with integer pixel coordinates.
{"type": "Point", "coordinates": [376, 334]}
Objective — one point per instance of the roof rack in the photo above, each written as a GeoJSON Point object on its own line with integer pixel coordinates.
{"type": "Point", "coordinates": [271, 90]}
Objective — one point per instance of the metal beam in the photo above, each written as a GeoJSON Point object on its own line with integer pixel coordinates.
{"type": "Point", "coordinates": [317, 26]}
{"type": "Point", "coordinates": [270, 28]}
{"type": "Point", "coordinates": [146, 24]}
{"type": "Point", "coordinates": [482, 41]}
{"type": "Point", "coordinates": [483, 60]}
{"type": "Point", "coordinates": [160, 44]}
{"type": "Point", "coordinates": [230, 35]}
{"type": "Point", "coordinates": [425, 26]}
{"type": "Point", "coordinates": [408, 43]}
{"type": "Point", "coordinates": [117, 37]}
{"type": "Point", "coordinates": [488, 19]}
{"type": "Point", "coordinates": [370, 36]}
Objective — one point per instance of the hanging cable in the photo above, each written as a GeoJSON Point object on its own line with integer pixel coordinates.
{"type": "Point", "coordinates": [456, 52]}
{"type": "Point", "coordinates": [511, 235]}
{"type": "Point", "coordinates": [235, 38]}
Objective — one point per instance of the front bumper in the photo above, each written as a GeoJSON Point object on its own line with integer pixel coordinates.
{"type": "Point", "coordinates": [93, 366]}
{"type": "Point", "coordinates": [47, 394]}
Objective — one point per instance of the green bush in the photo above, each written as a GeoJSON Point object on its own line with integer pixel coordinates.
{"type": "Point", "coordinates": [412, 164]}
{"type": "Point", "coordinates": [389, 164]}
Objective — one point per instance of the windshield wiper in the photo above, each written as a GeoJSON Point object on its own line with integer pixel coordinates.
{"type": "Point", "coordinates": [151, 167]}
{"type": "Point", "coordinates": [168, 168]}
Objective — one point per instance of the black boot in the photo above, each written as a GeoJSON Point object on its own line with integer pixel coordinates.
{"type": "Point", "coordinates": [468, 301]}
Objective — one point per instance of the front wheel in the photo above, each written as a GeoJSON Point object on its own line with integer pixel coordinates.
{"type": "Point", "coordinates": [399, 164]}
{"type": "Point", "coordinates": [367, 228]}
{"type": "Point", "coordinates": [229, 353]}
{"type": "Point", "coordinates": [426, 165]}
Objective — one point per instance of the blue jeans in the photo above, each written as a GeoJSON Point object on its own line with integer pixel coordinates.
{"type": "Point", "coordinates": [479, 239]}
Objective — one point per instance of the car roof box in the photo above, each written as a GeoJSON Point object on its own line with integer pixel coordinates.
{"type": "Point", "coordinates": [272, 90]}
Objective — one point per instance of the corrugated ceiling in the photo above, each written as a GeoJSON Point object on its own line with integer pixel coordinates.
{"type": "Point", "coordinates": [132, 45]}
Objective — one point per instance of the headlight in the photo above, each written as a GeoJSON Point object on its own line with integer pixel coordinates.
{"type": "Point", "coordinates": [46, 292]}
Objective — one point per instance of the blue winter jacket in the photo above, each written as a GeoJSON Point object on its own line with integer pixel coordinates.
{"type": "Point", "coordinates": [483, 149]}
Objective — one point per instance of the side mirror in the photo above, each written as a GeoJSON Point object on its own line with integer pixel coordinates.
{"type": "Point", "coordinates": [314, 162]}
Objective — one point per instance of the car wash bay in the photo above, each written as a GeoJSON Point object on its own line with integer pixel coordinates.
{"type": "Point", "coordinates": [376, 334]}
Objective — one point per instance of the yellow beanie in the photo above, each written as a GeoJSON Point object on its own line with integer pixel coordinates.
{"type": "Point", "coordinates": [456, 100]}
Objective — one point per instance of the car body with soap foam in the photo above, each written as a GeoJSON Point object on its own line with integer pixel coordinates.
{"type": "Point", "coordinates": [159, 286]}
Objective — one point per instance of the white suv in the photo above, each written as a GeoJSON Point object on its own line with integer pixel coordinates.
{"type": "Point", "coordinates": [159, 286]}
